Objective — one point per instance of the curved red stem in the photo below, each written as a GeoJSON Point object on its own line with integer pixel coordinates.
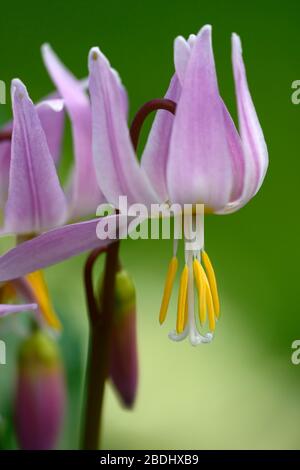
{"type": "Point", "coordinates": [5, 135]}
{"type": "Point", "coordinates": [144, 111]}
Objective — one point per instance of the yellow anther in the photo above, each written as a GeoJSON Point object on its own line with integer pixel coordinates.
{"type": "Point", "coordinates": [40, 292]}
{"type": "Point", "coordinates": [212, 282]}
{"type": "Point", "coordinates": [201, 289]}
{"type": "Point", "coordinates": [168, 289]}
{"type": "Point", "coordinates": [186, 312]}
{"type": "Point", "coordinates": [182, 300]}
{"type": "Point", "coordinates": [210, 307]}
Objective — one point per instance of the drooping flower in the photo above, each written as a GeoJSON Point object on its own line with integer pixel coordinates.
{"type": "Point", "coordinates": [83, 193]}
{"type": "Point", "coordinates": [34, 199]}
{"type": "Point", "coordinates": [195, 157]}
{"type": "Point", "coordinates": [40, 394]}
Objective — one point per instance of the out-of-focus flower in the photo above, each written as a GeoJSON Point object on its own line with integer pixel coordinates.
{"type": "Point", "coordinates": [83, 192]}
{"type": "Point", "coordinates": [40, 394]}
{"type": "Point", "coordinates": [51, 116]}
{"type": "Point", "coordinates": [35, 200]}
{"type": "Point", "coordinates": [196, 157]}
{"type": "Point", "coordinates": [123, 356]}
{"type": "Point", "coordinates": [42, 127]}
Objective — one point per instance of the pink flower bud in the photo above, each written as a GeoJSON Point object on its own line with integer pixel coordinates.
{"type": "Point", "coordinates": [124, 361]}
{"type": "Point", "coordinates": [40, 395]}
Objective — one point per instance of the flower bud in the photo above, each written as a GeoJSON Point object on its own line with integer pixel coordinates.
{"type": "Point", "coordinates": [40, 394]}
{"type": "Point", "coordinates": [123, 359]}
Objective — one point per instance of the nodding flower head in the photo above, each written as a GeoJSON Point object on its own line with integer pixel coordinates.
{"type": "Point", "coordinates": [194, 155]}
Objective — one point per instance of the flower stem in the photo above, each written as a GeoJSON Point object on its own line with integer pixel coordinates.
{"type": "Point", "coordinates": [101, 315]}
{"type": "Point", "coordinates": [144, 111]}
{"type": "Point", "coordinates": [100, 319]}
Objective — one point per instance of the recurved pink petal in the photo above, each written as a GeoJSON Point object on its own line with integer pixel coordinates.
{"type": "Point", "coordinates": [199, 167]}
{"type": "Point", "coordinates": [35, 198]}
{"type": "Point", "coordinates": [57, 245]}
{"type": "Point", "coordinates": [84, 191]}
{"type": "Point", "coordinates": [253, 142]}
{"type": "Point", "coordinates": [118, 170]}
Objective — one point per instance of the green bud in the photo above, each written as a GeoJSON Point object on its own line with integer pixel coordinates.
{"type": "Point", "coordinates": [123, 357]}
{"type": "Point", "coordinates": [125, 297]}
{"type": "Point", "coordinates": [40, 393]}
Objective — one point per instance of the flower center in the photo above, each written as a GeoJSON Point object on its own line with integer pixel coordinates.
{"type": "Point", "coordinates": [197, 277]}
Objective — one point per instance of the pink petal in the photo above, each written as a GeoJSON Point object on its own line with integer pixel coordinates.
{"type": "Point", "coordinates": [8, 309]}
{"type": "Point", "coordinates": [85, 194]}
{"type": "Point", "coordinates": [118, 170]}
{"type": "Point", "coordinates": [237, 155]}
{"type": "Point", "coordinates": [155, 155]}
{"type": "Point", "coordinates": [51, 114]}
{"type": "Point", "coordinates": [200, 162]}
{"type": "Point", "coordinates": [254, 146]}
{"type": "Point", "coordinates": [53, 247]}
{"type": "Point", "coordinates": [182, 53]}
{"type": "Point", "coordinates": [35, 198]}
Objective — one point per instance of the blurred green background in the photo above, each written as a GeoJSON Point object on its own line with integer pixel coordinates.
{"type": "Point", "coordinates": [241, 391]}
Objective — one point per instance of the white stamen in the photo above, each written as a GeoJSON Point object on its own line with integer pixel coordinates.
{"type": "Point", "coordinates": [197, 245]}
{"type": "Point", "coordinates": [194, 243]}
{"type": "Point", "coordinates": [174, 336]}
{"type": "Point", "coordinates": [175, 247]}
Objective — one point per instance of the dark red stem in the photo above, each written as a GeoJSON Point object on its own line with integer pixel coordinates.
{"type": "Point", "coordinates": [5, 135]}
{"type": "Point", "coordinates": [144, 111]}
{"type": "Point", "coordinates": [93, 307]}
{"type": "Point", "coordinates": [100, 320]}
